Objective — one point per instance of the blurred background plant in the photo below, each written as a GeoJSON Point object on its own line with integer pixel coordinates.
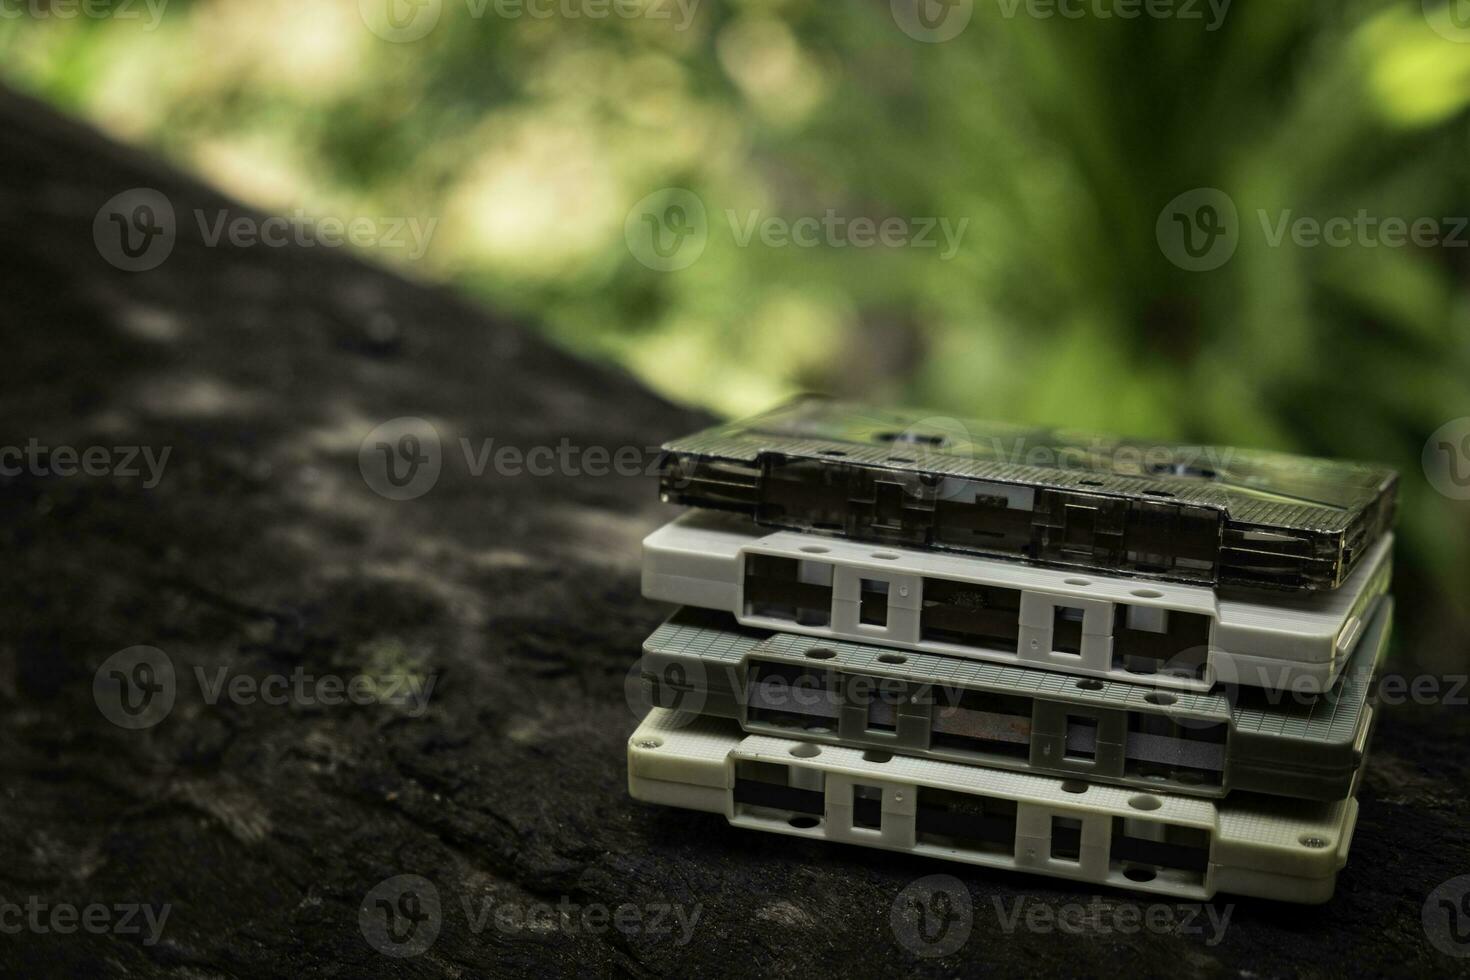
{"type": "Point", "coordinates": [1057, 143]}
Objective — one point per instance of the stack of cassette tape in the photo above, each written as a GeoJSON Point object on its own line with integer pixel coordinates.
{"type": "Point", "coordinates": [1096, 659]}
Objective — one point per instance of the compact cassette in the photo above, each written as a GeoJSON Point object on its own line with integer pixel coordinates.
{"type": "Point", "coordinates": [1166, 634]}
{"type": "Point", "coordinates": [1267, 847]}
{"type": "Point", "coordinates": [1202, 514]}
{"type": "Point", "coordinates": [968, 712]}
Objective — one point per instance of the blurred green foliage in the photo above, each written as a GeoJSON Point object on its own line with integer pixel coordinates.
{"type": "Point", "coordinates": [1058, 140]}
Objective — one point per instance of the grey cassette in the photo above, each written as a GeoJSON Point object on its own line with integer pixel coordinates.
{"type": "Point", "coordinates": [1208, 515]}
{"type": "Point", "coordinates": [1159, 633]}
{"type": "Point", "coordinates": [1017, 718]}
{"type": "Point", "coordinates": [1288, 850]}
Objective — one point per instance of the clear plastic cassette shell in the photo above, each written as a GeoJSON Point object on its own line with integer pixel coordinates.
{"type": "Point", "coordinates": [966, 712]}
{"type": "Point", "coordinates": [1286, 850]}
{"type": "Point", "coordinates": [1159, 633]}
{"type": "Point", "coordinates": [1206, 515]}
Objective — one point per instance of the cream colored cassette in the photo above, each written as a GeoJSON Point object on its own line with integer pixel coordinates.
{"type": "Point", "coordinates": [1266, 847]}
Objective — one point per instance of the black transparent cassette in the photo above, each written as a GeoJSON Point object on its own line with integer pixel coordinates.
{"type": "Point", "coordinates": [1201, 514]}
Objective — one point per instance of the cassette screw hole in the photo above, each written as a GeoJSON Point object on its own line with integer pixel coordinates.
{"type": "Point", "coordinates": [649, 743]}
{"type": "Point", "coordinates": [1074, 786]}
{"type": "Point", "coordinates": [803, 823]}
{"type": "Point", "coordinates": [1315, 843]}
{"type": "Point", "coordinates": [1089, 684]}
{"type": "Point", "coordinates": [820, 653]}
{"type": "Point", "coordinates": [873, 755]}
{"type": "Point", "coordinates": [1145, 802]}
{"type": "Point", "coordinates": [892, 658]}
{"type": "Point", "coordinates": [1161, 699]}
{"type": "Point", "coordinates": [805, 751]}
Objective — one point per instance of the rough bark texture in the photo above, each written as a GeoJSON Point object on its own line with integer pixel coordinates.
{"type": "Point", "coordinates": [264, 550]}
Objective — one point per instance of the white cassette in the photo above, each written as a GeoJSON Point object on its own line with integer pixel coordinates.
{"type": "Point", "coordinates": [1158, 633]}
